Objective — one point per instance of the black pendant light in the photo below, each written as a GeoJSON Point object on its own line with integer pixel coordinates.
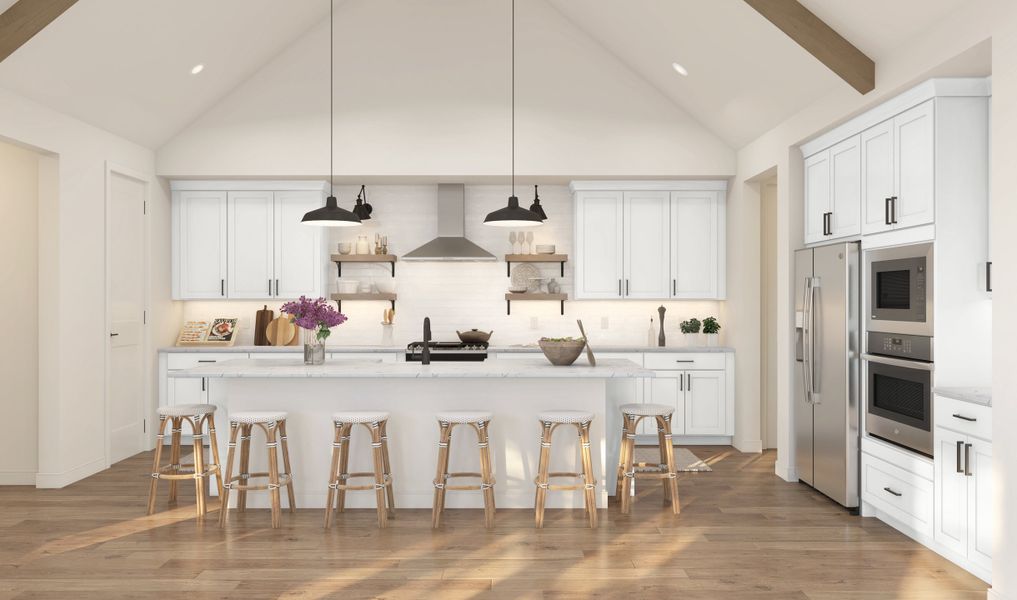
{"type": "Point", "coordinates": [331, 215]}
{"type": "Point", "coordinates": [513, 215]}
{"type": "Point", "coordinates": [536, 208]}
{"type": "Point", "coordinates": [363, 209]}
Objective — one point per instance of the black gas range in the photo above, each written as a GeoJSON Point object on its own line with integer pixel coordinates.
{"type": "Point", "coordinates": [447, 351]}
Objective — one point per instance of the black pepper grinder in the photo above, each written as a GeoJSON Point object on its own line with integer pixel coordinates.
{"type": "Point", "coordinates": [660, 338]}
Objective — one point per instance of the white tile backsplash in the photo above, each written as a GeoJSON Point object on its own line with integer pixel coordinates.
{"type": "Point", "coordinates": [463, 295]}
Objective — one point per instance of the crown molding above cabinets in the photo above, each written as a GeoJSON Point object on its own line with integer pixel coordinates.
{"type": "Point", "coordinates": [244, 240]}
{"type": "Point", "coordinates": [650, 240]}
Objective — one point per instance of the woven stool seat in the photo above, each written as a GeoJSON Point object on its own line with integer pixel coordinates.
{"type": "Point", "coordinates": [256, 417]}
{"type": "Point", "coordinates": [463, 417]}
{"type": "Point", "coordinates": [186, 410]}
{"type": "Point", "coordinates": [359, 416]}
{"type": "Point", "coordinates": [565, 417]}
{"type": "Point", "coordinates": [647, 410]}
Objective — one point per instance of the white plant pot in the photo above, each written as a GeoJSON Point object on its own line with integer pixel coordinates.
{"type": "Point", "coordinates": [692, 340]}
{"type": "Point", "coordinates": [712, 339]}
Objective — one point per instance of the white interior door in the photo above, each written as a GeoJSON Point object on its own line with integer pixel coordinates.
{"type": "Point", "coordinates": [250, 255]}
{"type": "Point", "coordinates": [647, 244]}
{"type": "Point", "coordinates": [695, 245]}
{"type": "Point", "coordinates": [599, 247]}
{"type": "Point", "coordinates": [298, 248]}
{"type": "Point", "coordinates": [126, 300]}
{"type": "Point", "coordinates": [877, 176]}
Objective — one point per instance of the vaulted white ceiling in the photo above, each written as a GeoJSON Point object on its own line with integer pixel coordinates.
{"type": "Point", "coordinates": [124, 65]}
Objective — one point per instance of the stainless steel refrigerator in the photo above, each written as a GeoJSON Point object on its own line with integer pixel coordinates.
{"type": "Point", "coordinates": [826, 407]}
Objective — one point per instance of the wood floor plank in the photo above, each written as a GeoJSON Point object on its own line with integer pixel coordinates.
{"type": "Point", "coordinates": [743, 534]}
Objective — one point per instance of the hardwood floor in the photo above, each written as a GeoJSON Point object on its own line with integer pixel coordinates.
{"type": "Point", "coordinates": [742, 534]}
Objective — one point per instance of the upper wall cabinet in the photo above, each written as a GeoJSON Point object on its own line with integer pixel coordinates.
{"type": "Point", "coordinates": [649, 239]}
{"type": "Point", "coordinates": [244, 240]}
{"type": "Point", "coordinates": [888, 168]}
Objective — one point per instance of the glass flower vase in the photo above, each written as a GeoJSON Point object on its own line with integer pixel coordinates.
{"type": "Point", "coordinates": [314, 348]}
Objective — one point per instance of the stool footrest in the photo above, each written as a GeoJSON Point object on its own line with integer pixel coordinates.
{"type": "Point", "coordinates": [284, 479]}
{"type": "Point", "coordinates": [181, 472]}
{"type": "Point", "coordinates": [361, 488]}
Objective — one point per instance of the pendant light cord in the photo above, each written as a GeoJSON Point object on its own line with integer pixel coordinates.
{"type": "Point", "coordinates": [331, 98]}
{"type": "Point", "coordinates": [513, 97]}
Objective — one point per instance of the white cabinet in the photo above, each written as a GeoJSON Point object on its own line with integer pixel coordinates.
{"type": "Point", "coordinates": [964, 485]}
{"type": "Point", "coordinates": [246, 243]}
{"type": "Point", "coordinates": [647, 234]}
{"type": "Point", "coordinates": [698, 386]}
{"type": "Point", "coordinates": [898, 171]}
{"type": "Point", "coordinates": [698, 243]}
{"type": "Point", "coordinates": [668, 388]}
{"type": "Point", "coordinates": [199, 245]}
{"type": "Point", "coordinates": [599, 244]}
{"type": "Point", "coordinates": [250, 223]}
{"type": "Point", "coordinates": [833, 192]}
{"type": "Point", "coordinates": [705, 403]}
{"type": "Point", "coordinates": [657, 240]}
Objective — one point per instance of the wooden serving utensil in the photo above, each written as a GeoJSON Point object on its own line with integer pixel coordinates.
{"type": "Point", "coordinates": [589, 351]}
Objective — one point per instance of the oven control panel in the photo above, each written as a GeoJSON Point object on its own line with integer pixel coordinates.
{"type": "Point", "coordinates": [914, 347]}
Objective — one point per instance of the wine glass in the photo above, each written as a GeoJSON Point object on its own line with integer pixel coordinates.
{"type": "Point", "coordinates": [529, 241]}
{"type": "Point", "coordinates": [512, 240]}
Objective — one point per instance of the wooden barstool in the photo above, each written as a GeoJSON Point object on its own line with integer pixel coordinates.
{"type": "Point", "coordinates": [274, 426]}
{"type": "Point", "coordinates": [339, 475]}
{"type": "Point", "coordinates": [632, 414]}
{"type": "Point", "coordinates": [549, 421]}
{"type": "Point", "coordinates": [197, 415]}
{"type": "Point", "coordinates": [480, 422]}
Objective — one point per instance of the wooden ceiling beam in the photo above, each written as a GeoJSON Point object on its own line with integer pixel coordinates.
{"type": "Point", "coordinates": [24, 19]}
{"type": "Point", "coordinates": [820, 40]}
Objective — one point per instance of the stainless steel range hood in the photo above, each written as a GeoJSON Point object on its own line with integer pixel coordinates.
{"type": "Point", "coordinates": [451, 243]}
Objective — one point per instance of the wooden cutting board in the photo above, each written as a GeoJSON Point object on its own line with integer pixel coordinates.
{"type": "Point", "coordinates": [261, 320]}
{"type": "Point", "coordinates": [281, 331]}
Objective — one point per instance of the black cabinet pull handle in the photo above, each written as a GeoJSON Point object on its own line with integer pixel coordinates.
{"type": "Point", "coordinates": [690, 382]}
{"type": "Point", "coordinates": [893, 208]}
{"type": "Point", "coordinates": [619, 287]}
{"type": "Point", "coordinates": [963, 418]}
{"type": "Point", "coordinates": [206, 361]}
{"type": "Point", "coordinates": [886, 212]}
{"type": "Point", "coordinates": [681, 382]}
{"type": "Point", "coordinates": [276, 287]}
{"type": "Point", "coordinates": [222, 287]}
{"type": "Point", "coordinates": [895, 493]}
{"type": "Point", "coordinates": [967, 460]}
{"type": "Point", "coordinates": [203, 384]}
{"type": "Point", "coordinates": [685, 361]}
{"type": "Point", "coordinates": [269, 287]}
{"type": "Point", "coordinates": [626, 287]}
{"type": "Point", "coordinates": [960, 447]}
{"type": "Point", "coordinates": [114, 334]}
{"type": "Point", "coordinates": [674, 286]}
{"type": "Point", "coordinates": [988, 276]}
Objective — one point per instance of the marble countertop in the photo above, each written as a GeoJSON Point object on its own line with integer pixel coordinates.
{"type": "Point", "coordinates": [974, 395]}
{"type": "Point", "coordinates": [399, 349]}
{"type": "Point", "coordinates": [368, 369]}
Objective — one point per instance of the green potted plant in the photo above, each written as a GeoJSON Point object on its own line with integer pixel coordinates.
{"type": "Point", "coordinates": [690, 331]}
{"type": "Point", "coordinates": [712, 330]}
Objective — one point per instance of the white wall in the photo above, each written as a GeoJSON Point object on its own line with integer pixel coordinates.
{"type": "Point", "coordinates": [768, 309]}
{"type": "Point", "coordinates": [471, 294]}
{"type": "Point", "coordinates": [422, 91]}
{"type": "Point", "coordinates": [19, 357]}
{"type": "Point", "coordinates": [71, 272]}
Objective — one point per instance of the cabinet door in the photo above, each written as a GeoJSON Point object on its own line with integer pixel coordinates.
{"type": "Point", "coordinates": [846, 189]}
{"type": "Point", "coordinates": [647, 244]}
{"type": "Point", "coordinates": [201, 245]}
{"type": "Point", "coordinates": [667, 388]}
{"type": "Point", "coordinates": [299, 249]}
{"type": "Point", "coordinates": [182, 391]}
{"type": "Point", "coordinates": [705, 403]}
{"type": "Point", "coordinates": [599, 245]}
{"type": "Point", "coordinates": [980, 489]}
{"type": "Point", "coordinates": [877, 176]}
{"type": "Point", "coordinates": [817, 195]}
{"type": "Point", "coordinates": [951, 491]}
{"type": "Point", "coordinates": [915, 166]}
{"type": "Point", "coordinates": [250, 245]}
{"type": "Point", "coordinates": [696, 244]}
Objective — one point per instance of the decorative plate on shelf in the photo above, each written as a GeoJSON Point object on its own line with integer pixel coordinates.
{"type": "Point", "coordinates": [522, 273]}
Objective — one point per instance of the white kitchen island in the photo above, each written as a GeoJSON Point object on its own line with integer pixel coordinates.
{"type": "Point", "coordinates": [515, 391]}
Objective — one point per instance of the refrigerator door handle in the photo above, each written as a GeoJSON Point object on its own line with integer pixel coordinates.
{"type": "Point", "coordinates": [807, 341]}
{"type": "Point", "coordinates": [816, 376]}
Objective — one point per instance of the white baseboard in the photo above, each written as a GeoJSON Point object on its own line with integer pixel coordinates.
{"type": "Point", "coordinates": [17, 477]}
{"type": "Point", "coordinates": [59, 480]}
{"type": "Point", "coordinates": [994, 595]}
{"type": "Point", "coordinates": [749, 446]}
{"type": "Point", "coordinates": [785, 471]}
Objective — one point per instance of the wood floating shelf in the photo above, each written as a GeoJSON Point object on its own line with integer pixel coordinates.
{"type": "Point", "coordinates": [532, 296]}
{"type": "Point", "coordinates": [339, 259]}
{"type": "Point", "coordinates": [389, 296]}
{"type": "Point", "coordinates": [535, 258]}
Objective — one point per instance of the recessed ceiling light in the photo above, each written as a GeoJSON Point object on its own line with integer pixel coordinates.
{"type": "Point", "coordinates": [680, 69]}
{"type": "Point", "coordinates": [197, 69]}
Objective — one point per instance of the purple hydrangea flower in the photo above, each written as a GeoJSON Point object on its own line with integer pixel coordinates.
{"type": "Point", "coordinates": [315, 315]}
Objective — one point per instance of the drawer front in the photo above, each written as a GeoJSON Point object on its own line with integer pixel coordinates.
{"type": "Point", "coordinates": [684, 361]}
{"type": "Point", "coordinates": [963, 417]}
{"type": "Point", "coordinates": [902, 495]}
{"type": "Point", "coordinates": [187, 360]}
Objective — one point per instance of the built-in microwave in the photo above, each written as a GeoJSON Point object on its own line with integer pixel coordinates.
{"type": "Point", "coordinates": [898, 390]}
{"type": "Point", "coordinates": [900, 290]}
